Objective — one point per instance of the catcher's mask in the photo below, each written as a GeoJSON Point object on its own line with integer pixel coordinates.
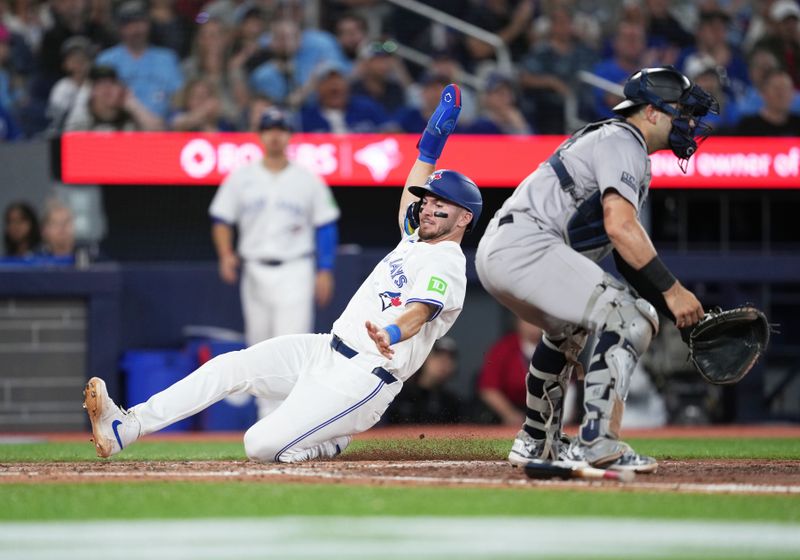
{"type": "Point", "coordinates": [663, 86]}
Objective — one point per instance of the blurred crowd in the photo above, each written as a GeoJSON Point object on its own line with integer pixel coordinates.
{"type": "Point", "coordinates": [195, 65]}
{"type": "Point", "coordinates": [38, 239]}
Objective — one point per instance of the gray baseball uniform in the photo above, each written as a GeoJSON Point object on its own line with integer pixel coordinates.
{"type": "Point", "coordinates": [539, 253]}
{"type": "Point", "coordinates": [539, 258]}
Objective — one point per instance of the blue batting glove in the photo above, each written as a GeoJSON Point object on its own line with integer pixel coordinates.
{"type": "Point", "coordinates": [440, 125]}
{"type": "Point", "coordinates": [411, 221]}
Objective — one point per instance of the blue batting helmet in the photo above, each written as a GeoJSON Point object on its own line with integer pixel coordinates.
{"type": "Point", "coordinates": [453, 187]}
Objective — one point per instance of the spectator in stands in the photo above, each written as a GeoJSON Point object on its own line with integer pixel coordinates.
{"type": "Point", "coordinates": [58, 230]}
{"type": "Point", "coordinates": [21, 234]}
{"type": "Point", "coordinates": [110, 106]}
{"type": "Point", "coordinates": [77, 56]}
{"type": "Point", "coordinates": [550, 74]}
{"type": "Point", "coordinates": [413, 119]}
{"type": "Point", "coordinates": [152, 73]}
{"type": "Point", "coordinates": [70, 18]}
{"type": "Point", "coordinates": [26, 18]}
{"type": "Point", "coordinates": [760, 62]}
{"type": "Point", "coordinates": [336, 110]}
{"type": "Point", "coordinates": [200, 109]}
{"type": "Point", "coordinates": [209, 60]}
{"type": "Point", "coordinates": [351, 34]}
{"type": "Point", "coordinates": [784, 40]}
{"type": "Point", "coordinates": [711, 43]}
{"type": "Point", "coordinates": [501, 382]}
{"type": "Point", "coordinates": [510, 19]}
{"type": "Point", "coordinates": [382, 76]}
{"type": "Point", "coordinates": [246, 52]}
{"type": "Point", "coordinates": [232, 11]}
{"type": "Point", "coordinates": [425, 399]}
{"type": "Point", "coordinates": [629, 55]}
{"type": "Point", "coordinates": [168, 29]}
{"type": "Point", "coordinates": [775, 118]}
{"type": "Point", "coordinates": [7, 95]}
{"type": "Point", "coordinates": [705, 72]}
{"type": "Point", "coordinates": [499, 112]}
{"type": "Point", "coordinates": [295, 56]}
{"type": "Point", "coordinates": [665, 32]}
{"type": "Point", "coordinates": [251, 117]}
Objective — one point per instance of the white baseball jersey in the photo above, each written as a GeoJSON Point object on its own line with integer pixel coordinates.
{"type": "Point", "coordinates": [415, 271]}
{"type": "Point", "coordinates": [276, 213]}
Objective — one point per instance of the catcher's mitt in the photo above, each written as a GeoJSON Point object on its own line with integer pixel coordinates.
{"type": "Point", "coordinates": [725, 345]}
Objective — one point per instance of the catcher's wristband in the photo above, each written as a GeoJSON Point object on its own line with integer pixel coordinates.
{"type": "Point", "coordinates": [394, 333]}
{"type": "Point", "coordinates": [658, 274]}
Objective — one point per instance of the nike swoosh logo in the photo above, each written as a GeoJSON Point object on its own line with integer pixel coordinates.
{"type": "Point", "coordinates": [114, 425]}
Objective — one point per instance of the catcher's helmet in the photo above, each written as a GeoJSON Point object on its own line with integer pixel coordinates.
{"type": "Point", "coordinates": [663, 85]}
{"type": "Point", "coordinates": [454, 187]}
{"type": "Point", "coordinates": [654, 86]}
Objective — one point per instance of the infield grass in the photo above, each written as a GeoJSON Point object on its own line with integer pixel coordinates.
{"type": "Point", "coordinates": [187, 500]}
{"type": "Point", "coordinates": [428, 448]}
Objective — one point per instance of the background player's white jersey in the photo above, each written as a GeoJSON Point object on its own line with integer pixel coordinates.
{"type": "Point", "coordinates": [433, 273]}
{"type": "Point", "coordinates": [612, 156]}
{"type": "Point", "coordinates": [276, 213]}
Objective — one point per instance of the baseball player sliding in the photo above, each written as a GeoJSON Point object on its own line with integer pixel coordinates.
{"type": "Point", "coordinates": [335, 385]}
{"type": "Point", "coordinates": [539, 253]}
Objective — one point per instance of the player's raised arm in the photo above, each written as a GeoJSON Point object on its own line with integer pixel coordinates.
{"type": "Point", "coordinates": [430, 145]}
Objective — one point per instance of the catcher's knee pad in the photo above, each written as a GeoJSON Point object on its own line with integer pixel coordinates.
{"type": "Point", "coordinates": [628, 330]}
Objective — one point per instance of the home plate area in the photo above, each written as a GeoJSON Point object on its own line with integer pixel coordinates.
{"type": "Point", "coordinates": [715, 476]}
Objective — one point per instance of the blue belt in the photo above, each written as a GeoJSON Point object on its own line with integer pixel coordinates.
{"type": "Point", "coordinates": [343, 349]}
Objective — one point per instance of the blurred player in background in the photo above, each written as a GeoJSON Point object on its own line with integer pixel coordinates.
{"type": "Point", "coordinates": [332, 386]}
{"type": "Point", "coordinates": [285, 216]}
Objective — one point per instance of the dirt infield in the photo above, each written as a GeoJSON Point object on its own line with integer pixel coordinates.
{"type": "Point", "coordinates": [773, 477]}
{"type": "Point", "coordinates": [402, 467]}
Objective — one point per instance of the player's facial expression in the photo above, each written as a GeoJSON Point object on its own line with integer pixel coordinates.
{"type": "Point", "coordinates": [432, 226]}
{"type": "Point", "coordinates": [275, 141]}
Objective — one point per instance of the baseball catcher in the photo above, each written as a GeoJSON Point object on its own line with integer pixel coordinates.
{"type": "Point", "coordinates": [539, 258]}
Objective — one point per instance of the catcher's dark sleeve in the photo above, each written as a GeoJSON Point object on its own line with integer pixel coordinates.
{"type": "Point", "coordinates": [647, 291]}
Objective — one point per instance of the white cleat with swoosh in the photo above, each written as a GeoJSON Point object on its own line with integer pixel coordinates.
{"type": "Point", "coordinates": [113, 428]}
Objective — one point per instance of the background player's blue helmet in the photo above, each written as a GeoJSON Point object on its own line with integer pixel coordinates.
{"type": "Point", "coordinates": [661, 87]}
{"type": "Point", "coordinates": [453, 187]}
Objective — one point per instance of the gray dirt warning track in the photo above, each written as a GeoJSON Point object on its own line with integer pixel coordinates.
{"type": "Point", "coordinates": [696, 476]}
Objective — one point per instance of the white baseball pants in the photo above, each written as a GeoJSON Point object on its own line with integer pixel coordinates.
{"type": "Point", "coordinates": [322, 395]}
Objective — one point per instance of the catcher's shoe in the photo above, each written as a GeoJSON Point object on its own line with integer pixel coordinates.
{"type": "Point", "coordinates": [632, 461]}
{"type": "Point", "coordinates": [113, 428]}
{"type": "Point", "coordinates": [574, 455]}
{"type": "Point", "coordinates": [525, 449]}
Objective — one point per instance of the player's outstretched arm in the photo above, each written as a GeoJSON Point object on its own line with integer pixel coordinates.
{"type": "Point", "coordinates": [407, 325]}
{"type": "Point", "coordinates": [430, 145]}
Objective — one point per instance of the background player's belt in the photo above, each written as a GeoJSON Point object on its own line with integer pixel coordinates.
{"type": "Point", "coordinates": [343, 349]}
{"type": "Point", "coordinates": [278, 262]}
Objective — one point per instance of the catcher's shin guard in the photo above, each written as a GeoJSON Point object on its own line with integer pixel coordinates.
{"type": "Point", "coordinates": [628, 330]}
{"type": "Point", "coordinates": [546, 382]}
